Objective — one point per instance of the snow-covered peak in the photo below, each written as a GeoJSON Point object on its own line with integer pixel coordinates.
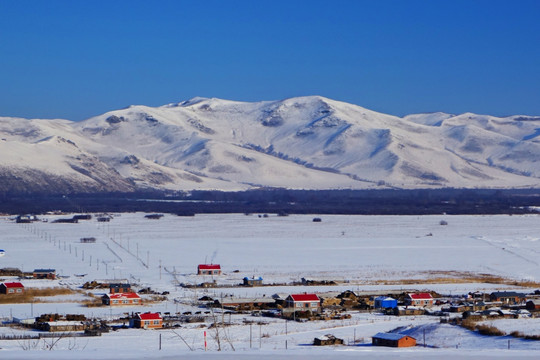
{"type": "Point", "coordinates": [307, 142]}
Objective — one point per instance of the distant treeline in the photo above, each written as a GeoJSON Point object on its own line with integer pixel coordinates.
{"type": "Point", "coordinates": [284, 202]}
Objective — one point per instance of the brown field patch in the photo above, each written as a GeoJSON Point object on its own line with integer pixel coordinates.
{"type": "Point", "coordinates": [34, 295]}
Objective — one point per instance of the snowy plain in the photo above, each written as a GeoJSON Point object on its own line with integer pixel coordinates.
{"type": "Point", "coordinates": [360, 253]}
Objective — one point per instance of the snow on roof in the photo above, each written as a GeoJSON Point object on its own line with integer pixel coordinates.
{"type": "Point", "coordinates": [390, 336]}
{"type": "Point", "coordinates": [64, 323]}
{"type": "Point", "coordinates": [421, 296]}
{"type": "Point", "coordinates": [149, 316]}
{"type": "Point", "coordinates": [123, 296]}
{"type": "Point", "coordinates": [13, 285]}
{"type": "Point", "coordinates": [209, 267]}
{"type": "Point", "coordinates": [305, 297]}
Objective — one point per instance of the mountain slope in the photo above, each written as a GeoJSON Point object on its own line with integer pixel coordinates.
{"type": "Point", "coordinates": [307, 142]}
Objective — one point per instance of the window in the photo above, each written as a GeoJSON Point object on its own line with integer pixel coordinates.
{"type": "Point", "coordinates": [314, 304]}
{"type": "Point", "coordinates": [19, 290]}
{"type": "Point", "coordinates": [10, 291]}
{"type": "Point", "coordinates": [298, 305]}
{"type": "Point", "coordinates": [126, 301]}
{"type": "Point", "coordinates": [156, 322]}
{"type": "Point", "coordinates": [115, 301]}
{"type": "Point", "coordinates": [135, 301]}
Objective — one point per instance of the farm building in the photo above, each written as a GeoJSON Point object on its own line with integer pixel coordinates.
{"type": "Point", "coordinates": [393, 340]}
{"type": "Point", "coordinates": [533, 304]}
{"type": "Point", "coordinates": [121, 299]}
{"type": "Point", "coordinates": [11, 288]}
{"type": "Point", "coordinates": [208, 269]}
{"type": "Point", "coordinates": [253, 281]}
{"type": "Point", "coordinates": [383, 302]}
{"type": "Point", "coordinates": [247, 304]}
{"type": "Point", "coordinates": [419, 299]}
{"type": "Point", "coordinates": [146, 321]}
{"type": "Point", "coordinates": [327, 339]}
{"type": "Point", "coordinates": [303, 302]}
{"type": "Point", "coordinates": [508, 297]}
{"type": "Point", "coordinates": [119, 288]}
{"type": "Point", "coordinates": [44, 274]}
{"type": "Point", "coordinates": [62, 326]}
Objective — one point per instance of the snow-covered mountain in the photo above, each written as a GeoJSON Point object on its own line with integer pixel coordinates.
{"type": "Point", "coordinates": [299, 143]}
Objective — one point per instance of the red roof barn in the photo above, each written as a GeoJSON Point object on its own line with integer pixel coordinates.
{"type": "Point", "coordinates": [209, 269]}
{"type": "Point", "coordinates": [11, 288]}
{"type": "Point", "coordinates": [147, 321]}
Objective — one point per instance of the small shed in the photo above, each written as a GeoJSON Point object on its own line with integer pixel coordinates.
{"type": "Point", "coordinates": [384, 302]}
{"type": "Point", "coordinates": [327, 339]}
{"type": "Point", "coordinates": [533, 305]}
{"type": "Point", "coordinates": [253, 281]}
{"type": "Point", "coordinates": [11, 288]}
{"type": "Point", "coordinates": [44, 274]}
{"type": "Point", "coordinates": [393, 340]}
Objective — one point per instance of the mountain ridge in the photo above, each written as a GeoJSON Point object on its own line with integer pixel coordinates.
{"type": "Point", "coordinates": [308, 142]}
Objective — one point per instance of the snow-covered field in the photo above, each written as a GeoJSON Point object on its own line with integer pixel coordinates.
{"type": "Point", "coordinates": [358, 252]}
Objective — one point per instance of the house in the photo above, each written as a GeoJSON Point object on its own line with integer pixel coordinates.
{"type": "Point", "coordinates": [209, 269]}
{"type": "Point", "coordinates": [44, 274]}
{"type": "Point", "coordinates": [533, 305]}
{"type": "Point", "coordinates": [508, 297]}
{"type": "Point", "coordinates": [147, 321]}
{"type": "Point", "coordinates": [384, 302]}
{"type": "Point", "coordinates": [253, 281]}
{"type": "Point", "coordinates": [303, 302]}
{"type": "Point", "coordinates": [11, 288]}
{"type": "Point", "coordinates": [393, 340]}
{"type": "Point", "coordinates": [121, 299]}
{"type": "Point", "coordinates": [119, 288]}
{"type": "Point", "coordinates": [419, 299]}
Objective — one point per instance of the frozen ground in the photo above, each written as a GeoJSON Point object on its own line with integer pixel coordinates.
{"type": "Point", "coordinates": [356, 251]}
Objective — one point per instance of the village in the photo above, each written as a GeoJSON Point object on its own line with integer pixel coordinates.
{"type": "Point", "coordinates": [216, 301]}
{"type": "Point", "coordinates": [301, 307]}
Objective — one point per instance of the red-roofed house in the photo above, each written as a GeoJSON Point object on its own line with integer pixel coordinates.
{"type": "Point", "coordinates": [303, 302]}
{"type": "Point", "coordinates": [419, 299]}
{"type": "Point", "coordinates": [209, 269]}
{"type": "Point", "coordinates": [121, 299]}
{"type": "Point", "coordinates": [147, 321]}
{"type": "Point", "coordinates": [11, 288]}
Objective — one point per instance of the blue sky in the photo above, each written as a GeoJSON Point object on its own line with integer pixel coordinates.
{"type": "Point", "coordinates": [77, 59]}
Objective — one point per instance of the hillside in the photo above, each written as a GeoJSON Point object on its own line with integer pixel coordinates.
{"type": "Point", "coordinates": [298, 143]}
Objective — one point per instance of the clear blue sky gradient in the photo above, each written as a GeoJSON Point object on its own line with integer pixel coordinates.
{"type": "Point", "coordinates": [77, 59]}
